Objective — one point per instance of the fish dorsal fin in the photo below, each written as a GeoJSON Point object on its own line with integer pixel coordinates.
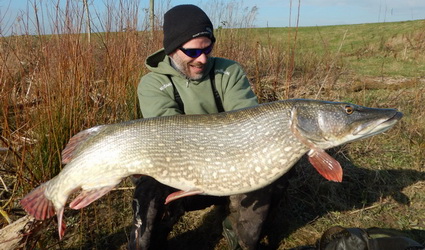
{"type": "Point", "coordinates": [77, 140]}
{"type": "Point", "coordinates": [325, 164]}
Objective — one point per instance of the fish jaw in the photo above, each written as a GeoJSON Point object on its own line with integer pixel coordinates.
{"type": "Point", "coordinates": [364, 129]}
{"type": "Point", "coordinates": [377, 126]}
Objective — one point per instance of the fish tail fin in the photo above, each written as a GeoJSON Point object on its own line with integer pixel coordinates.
{"type": "Point", "coordinates": [86, 197]}
{"type": "Point", "coordinates": [37, 204]}
{"type": "Point", "coordinates": [61, 223]}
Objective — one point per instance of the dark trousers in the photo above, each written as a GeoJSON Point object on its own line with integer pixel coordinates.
{"type": "Point", "coordinates": [153, 220]}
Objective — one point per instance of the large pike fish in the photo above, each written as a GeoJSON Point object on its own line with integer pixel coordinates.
{"type": "Point", "coordinates": [218, 154]}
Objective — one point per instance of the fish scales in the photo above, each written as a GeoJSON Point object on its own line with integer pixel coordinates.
{"type": "Point", "coordinates": [219, 154]}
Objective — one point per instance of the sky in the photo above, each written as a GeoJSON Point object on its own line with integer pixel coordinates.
{"type": "Point", "coordinates": [270, 13]}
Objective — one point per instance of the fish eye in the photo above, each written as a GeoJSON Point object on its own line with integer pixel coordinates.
{"type": "Point", "coordinates": [349, 109]}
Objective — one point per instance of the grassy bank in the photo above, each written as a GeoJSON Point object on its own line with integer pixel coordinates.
{"type": "Point", "coordinates": [376, 49]}
{"type": "Point", "coordinates": [53, 86]}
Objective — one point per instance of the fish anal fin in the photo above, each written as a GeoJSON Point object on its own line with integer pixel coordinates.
{"type": "Point", "coordinates": [326, 165]}
{"type": "Point", "coordinates": [77, 140]}
{"type": "Point", "coordinates": [181, 194]}
{"type": "Point", "coordinates": [86, 197]}
{"type": "Point", "coordinates": [37, 204]}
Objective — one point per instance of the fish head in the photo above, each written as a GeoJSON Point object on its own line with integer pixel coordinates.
{"type": "Point", "coordinates": [329, 124]}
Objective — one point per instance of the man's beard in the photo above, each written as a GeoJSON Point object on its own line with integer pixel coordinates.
{"type": "Point", "coordinates": [184, 68]}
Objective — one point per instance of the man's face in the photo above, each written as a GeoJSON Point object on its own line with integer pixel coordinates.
{"type": "Point", "coordinates": [192, 68]}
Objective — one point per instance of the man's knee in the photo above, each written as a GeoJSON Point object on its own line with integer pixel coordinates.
{"type": "Point", "coordinates": [247, 215]}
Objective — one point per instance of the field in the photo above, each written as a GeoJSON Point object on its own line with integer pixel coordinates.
{"type": "Point", "coordinates": [52, 86]}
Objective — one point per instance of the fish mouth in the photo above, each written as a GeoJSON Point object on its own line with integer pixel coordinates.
{"type": "Point", "coordinates": [377, 126]}
{"type": "Point", "coordinates": [398, 115]}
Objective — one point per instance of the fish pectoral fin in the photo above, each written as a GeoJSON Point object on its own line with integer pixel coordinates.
{"type": "Point", "coordinates": [180, 194]}
{"type": "Point", "coordinates": [86, 197]}
{"type": "Point", "coordinates": [325, 164]}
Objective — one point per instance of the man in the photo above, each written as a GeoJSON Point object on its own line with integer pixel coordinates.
{"type": "Point", "coordinates": [186, 79]}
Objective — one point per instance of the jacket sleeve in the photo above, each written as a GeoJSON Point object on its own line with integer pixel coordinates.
{"type": "Point", "coordinates": [235, 87]}
{"type": "Point", "coordinates": [156, 96]}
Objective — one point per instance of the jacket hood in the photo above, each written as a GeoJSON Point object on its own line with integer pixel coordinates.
{"type": "Point", "coordinates": [160, 63]}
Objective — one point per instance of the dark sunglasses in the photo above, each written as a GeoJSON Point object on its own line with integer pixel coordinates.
{"type": "Point", "coordinates": [194, 53]}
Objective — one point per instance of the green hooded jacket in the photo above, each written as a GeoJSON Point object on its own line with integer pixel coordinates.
{"type": "Point", "coordinates": [156, 93]}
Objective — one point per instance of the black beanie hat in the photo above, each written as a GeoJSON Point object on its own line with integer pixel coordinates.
{"type": "Point", "coordinates": [183, 23]}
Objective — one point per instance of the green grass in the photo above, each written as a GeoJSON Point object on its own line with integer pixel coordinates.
{"type": "Point", "coordinates": [53, 86]}
{"type": "Point", "coordinates": [375, 49]}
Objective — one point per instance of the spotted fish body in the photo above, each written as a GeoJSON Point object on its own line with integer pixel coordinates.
{"type": "Point", "coordinates": [218, 154]}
